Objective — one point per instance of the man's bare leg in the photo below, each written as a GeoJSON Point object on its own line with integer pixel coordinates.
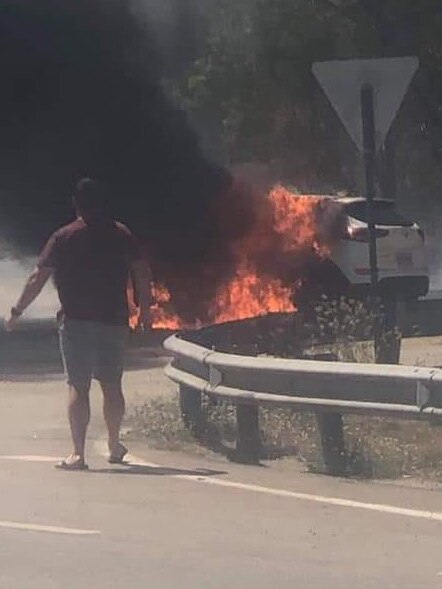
{"type": "Point", "coordinates": [79, 415]}
{"type": "Point", "coordinates": [113, 410]}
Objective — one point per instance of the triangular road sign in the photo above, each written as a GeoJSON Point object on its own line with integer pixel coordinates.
{"type": "Point", "coordinates": [342, 82]}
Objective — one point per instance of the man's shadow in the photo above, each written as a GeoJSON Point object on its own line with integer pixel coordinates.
{"type": "Point", "coordinates": [130, 468]}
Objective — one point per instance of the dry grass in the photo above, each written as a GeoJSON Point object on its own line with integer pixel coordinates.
{"type": "Point", "coordinates": [384, 448]}
{"type": "Point", "coordinates": [159, 421]}
{"type": "Point", "coordinates": [377, 448]}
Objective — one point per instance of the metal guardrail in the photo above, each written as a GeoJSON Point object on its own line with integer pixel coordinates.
{"type": "Point", "coordinates": [334, 388]}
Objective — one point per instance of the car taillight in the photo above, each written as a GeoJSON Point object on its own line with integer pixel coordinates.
{"type": "Point", "coordinates": [362, 234]}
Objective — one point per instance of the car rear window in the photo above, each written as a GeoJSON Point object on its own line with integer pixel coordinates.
{"type": "Point", "coordinates": [384, 213]}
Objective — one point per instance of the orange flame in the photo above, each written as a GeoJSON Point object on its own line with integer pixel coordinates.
{"type": "Point", "coordinates": [161, 317]}
{"type": "Point", "coordinates": [295, 219]}
{"type": "Point", "coordinates": [283, 223]}
{"type": "Point", "coordinates": [249, 295]}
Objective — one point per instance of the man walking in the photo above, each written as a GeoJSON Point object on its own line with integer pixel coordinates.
{"type": "Point", "coordinates": [91, 260]}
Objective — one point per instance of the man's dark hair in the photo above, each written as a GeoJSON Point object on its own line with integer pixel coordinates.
{"type": "Point", "coordinates": [89, 196]}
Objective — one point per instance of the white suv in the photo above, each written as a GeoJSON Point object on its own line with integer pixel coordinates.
{"type": "Point", "coordinates": [401, 254]}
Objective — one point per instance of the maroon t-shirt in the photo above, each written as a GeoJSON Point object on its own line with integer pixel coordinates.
{"type": "Point", "coordinates": [92, 264]}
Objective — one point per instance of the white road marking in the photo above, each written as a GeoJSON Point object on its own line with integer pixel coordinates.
{"type": "Point", "coordinates": [32, 458]}
{"type": "Point", "coordinates": [47, 529]}
{"type": "Point", "coordinates": [322, 499]}
{"type": "Point", "coordinates": [217, 482]}
{"type": "Point", "coordinates": [37, 527]}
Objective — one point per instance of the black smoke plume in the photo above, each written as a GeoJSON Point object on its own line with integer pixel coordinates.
{"type": "Point", "coordinates": [81, 95]}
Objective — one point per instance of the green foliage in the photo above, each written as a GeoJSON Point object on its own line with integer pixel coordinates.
{"type": "Point", "coordinates": [255, 73]}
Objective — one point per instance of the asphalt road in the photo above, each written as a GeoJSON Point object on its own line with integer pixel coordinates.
{"type": "Point", "coordinates": [174, 520]}
{"type": "Point", "coordinates": [171, 520]}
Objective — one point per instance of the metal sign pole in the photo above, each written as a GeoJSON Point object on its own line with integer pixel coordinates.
{"type": "Point", "coordinates": [369, 144]}
{"type": "Point", "coordinates": [368, 133]}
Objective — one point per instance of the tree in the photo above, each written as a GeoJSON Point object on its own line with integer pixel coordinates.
{"type": "Point", "coordinates": [256, 73]}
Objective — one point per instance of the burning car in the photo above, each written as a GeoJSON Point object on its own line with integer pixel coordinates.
{"type": "Point", "coordinates": [293, 249]}
{"type": "Point", "coordinates": [401, 254]}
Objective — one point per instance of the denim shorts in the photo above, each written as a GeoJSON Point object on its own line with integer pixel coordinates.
{"type": "Point", "coordinates": [92, 350]}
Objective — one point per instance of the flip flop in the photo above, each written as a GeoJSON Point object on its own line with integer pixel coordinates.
{"type": "Point", "coordinates": [70, 463]}
{"type": "Point", "coordinates": [118, 458]}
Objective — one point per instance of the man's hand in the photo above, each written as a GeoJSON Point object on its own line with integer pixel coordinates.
{"type": "Point", "coordinates": [31, 290]}
{"type": "Point", "coordinates": [145, 318]}
{"type": "Point", "coordinates": [142, 277]}
{"type": "Point", "coordinates": [11, 321]}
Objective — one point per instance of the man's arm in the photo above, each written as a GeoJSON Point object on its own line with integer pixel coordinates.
{"type": "Point", "coordinates": [142, 279]}
{"type": "Point", "coordinates": [31, 290]}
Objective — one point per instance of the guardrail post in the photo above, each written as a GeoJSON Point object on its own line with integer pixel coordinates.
{"type": "Point", "coordinates": [248, 444]}
{"type": "Point", "coordinates": [388, 350]}
{"type": "Point", "coordinates": [332, 441]}
{"type": "Point", "coordinates": [191, 410]}
{"type": "Point", "coordinates": [331, 429]}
